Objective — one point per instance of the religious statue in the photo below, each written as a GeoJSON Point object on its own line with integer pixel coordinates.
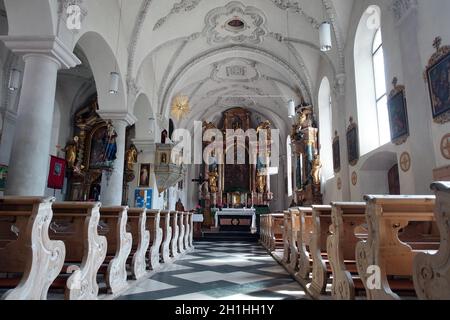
{"type": "Point", "coordinates": [163, 158]}
{"type": "Point", "coordinates": [131, 157]}
{"type": "Point", "coordinates": [266, 127]}
{"type": "Point", "coordinates": [179, 206]}
{"type": "Point", "coordinates": [109, 142]}
{"type": "Point", "coordinates": [261, 183]}
{"type": "Point", "coordinates": [315, 172]}
{"type": "Point", "coordinates": [213, 179]}
{"type": "Point", "coordinates": [71, 150]}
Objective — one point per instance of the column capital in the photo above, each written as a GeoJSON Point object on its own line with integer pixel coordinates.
{"type": "Point", "coordinates": [45, 45]}
{"type": "Point", "coordinates": [127, 117]}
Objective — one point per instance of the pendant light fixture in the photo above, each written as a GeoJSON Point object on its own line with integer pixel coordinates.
{"type": "Point", "coordinates": [14, 80]}
{"type": "Point", "coordinates": [114, 77]}
{"type": "Point", "coordinates": [325, 35]}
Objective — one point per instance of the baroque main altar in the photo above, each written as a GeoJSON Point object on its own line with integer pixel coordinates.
{"type": "Point", "coordinates": [246, 182]}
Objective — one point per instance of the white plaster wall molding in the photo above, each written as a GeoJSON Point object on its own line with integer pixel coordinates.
{"type": "Point", "coordinates": [339, 84]}
{"type": "Point", "coordinates": [48, 45]}
{"type": "Point", "coordinates": [133, 91]}
{"type": "Point", "coordinates": [129, 118]}
{"type": "Point", "coordinates": [217, 29]}
{"type": "Point", "coordinates": [144, 145]}
{"type": "Point", "coordinates": [137, 29]}
{"type": "Point", "coordinates": [402, 9]}
{"type": "Point", "coordinates": [10, 116]}
{"type": "Point", "coordinates": [215, 92]}
{"type": "Point", "coordinates": [179, 7]}
{"type": "Point", "coordinates": [295, 6]}
{"type": "Point", "coordinates": [197, 88]}
{"type": "Point", "coordinates": [235, 69]}
{"type": "Point", "coordinates": [64, 5]}
{"type": "Point", "coordinates": [231, 102]}
{"type": "Point", "coordinates": [297, 78]}
{"type": "Point", "coordinates": [170, 67]}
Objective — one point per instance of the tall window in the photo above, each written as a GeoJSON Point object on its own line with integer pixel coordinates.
{"type": "Point", "coordinates": [380, 89]}
{"type": "Point", "coordinates": [373, 118]}
{"type": "Point", "coordinates": [289, 165]}
{"type": "Point", "coordinates": [326, 129]}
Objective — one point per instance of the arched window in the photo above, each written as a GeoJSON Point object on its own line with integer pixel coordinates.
{"type": "Point", "coordinates": [380, 88]}
{"type": "Point", "coordinates": [326, 129]}
{"type": "Point", "coordinates": [289, 165]}
{"type": "Point", "coordinates": [370, 81]}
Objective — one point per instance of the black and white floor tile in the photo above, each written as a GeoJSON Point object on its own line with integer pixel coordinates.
{"type": "Point", "coordinates": [220, 270]}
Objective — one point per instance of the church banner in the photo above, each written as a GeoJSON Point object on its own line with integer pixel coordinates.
{"type": "Point", "coordinates": [56, 173]}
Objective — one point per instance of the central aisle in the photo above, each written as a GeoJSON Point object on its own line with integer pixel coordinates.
{"type": "Point", "coordinates": [220, 270]}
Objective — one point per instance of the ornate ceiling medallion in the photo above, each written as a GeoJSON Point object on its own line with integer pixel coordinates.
{"type": "Point", "coordinates": [235, 23]}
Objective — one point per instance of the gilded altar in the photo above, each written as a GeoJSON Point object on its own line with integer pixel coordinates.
{"type": "Point", "coordinates": [90, 152]}
{"type": "Point", "coordinates": [305, 137]}
{"type": "Point", "coordinates": [245, 182]}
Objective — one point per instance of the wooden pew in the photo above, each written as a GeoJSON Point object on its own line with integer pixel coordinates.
{"type": "Point", "coordinates": [294, 224]}
{"type": "Point", "coordinates": [264, 232]}
{"type": "Point", "coordinates": [76, 223]}
{"type": "Point", "coordinates": [164, 250]}
{"type": "Point", "coordinates": [303, 237]}
{"type": "Point", "coordinates": [187, 231]}
{"type": "Point", "coordinates": [287, 231]}
{"type": "Point", "coordinates": [137, 220]}
{"type": "Point", "coordinates": [25, 247]}
{"type": "Point", "coordinates": [181, 219]}
{"type": "Point", "coordinates": [113, 225]}
{"type": "Point", "coordinates": [156, 235]}
{"type": "Point", "coordinates": [321, 220]}
{"type": "Point", "coordinates": [191, 230]}
{"type": "Point", "coordinates": [276, 225]}
{"type": "Point", "coordinates": [386, 216]}
{"type": "Point", "coordinates": [175, 235]}
{"type": "Point", "coordinates": [341, 244]}
{"type": "Point", "coordinates": [431, 273]}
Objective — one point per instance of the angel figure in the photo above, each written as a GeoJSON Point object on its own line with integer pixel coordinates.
{"type": "Point", "coordinates": [71, 150]}
{"type": "Point", "coordinates": [131, 157]}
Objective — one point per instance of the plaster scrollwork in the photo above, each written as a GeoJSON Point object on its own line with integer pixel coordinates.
{"type": "Point", "coordinates": [296, 76]}
{"type": "Point", "coordinates": [182, 6]}
{"type": "Point", "coordinates": [401, 8]}
{"type": "Point", "coordinates": [252, 31]}
{"type": "Point", "coordinates": [235, 69]}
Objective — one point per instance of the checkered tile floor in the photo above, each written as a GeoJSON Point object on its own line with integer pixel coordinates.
{"type": "Point", "coordinates": [220, 270]}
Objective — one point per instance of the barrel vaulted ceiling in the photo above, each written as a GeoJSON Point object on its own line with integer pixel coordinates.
{"type": "Point", "coordinates": [252, 53]}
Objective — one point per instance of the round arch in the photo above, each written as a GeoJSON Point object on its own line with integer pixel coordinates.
{"type": "Point", "coordinates": [143, 112]}
{"type": "Point", "coordinates": [101, 59]}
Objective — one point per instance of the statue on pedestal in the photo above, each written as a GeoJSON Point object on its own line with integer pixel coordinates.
{"type": "Point", "coordinates": [71, 150]}
{"type": "Point", "coordinates": [213, 179]}
{"type": "Point", "coordinates": [315, 172]}
{"type": "Point", "coordinates": [131, 157]}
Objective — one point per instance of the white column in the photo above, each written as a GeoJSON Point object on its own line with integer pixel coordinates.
{"type": "Point", "coordinates": [112, 182]}
{"type": "Point", "coordinates": [28, 165]}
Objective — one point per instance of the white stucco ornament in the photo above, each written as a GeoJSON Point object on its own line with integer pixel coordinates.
{"type": "Point", "coordinates": [235, 23]}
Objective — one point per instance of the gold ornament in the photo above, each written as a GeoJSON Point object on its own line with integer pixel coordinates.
{"type": "Point", "coordinates": [180, 107]}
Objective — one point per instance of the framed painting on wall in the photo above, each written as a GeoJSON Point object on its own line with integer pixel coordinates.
{"type": "Point", "coordinates": [144, 175]}
{"type": "Point", "coordinates": [437, 75]}
{"type": "Point", "coordinates": [398, 114]}
{"type": "Point", "coordinates": [352, 143]}
{"type": "Point", "coordinates": [3, 176]}
{"type": "Point", "coordinates": [336, 154]}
